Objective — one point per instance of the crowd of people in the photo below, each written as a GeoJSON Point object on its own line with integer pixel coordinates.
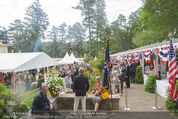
{"type": "Point", "coordinates": [5, 78]}
{"type": "Point", "coordinates": [74, 79]}
{"type": "Point", "coordinates": [122, 72]}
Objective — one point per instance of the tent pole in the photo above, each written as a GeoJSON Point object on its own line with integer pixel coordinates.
{"type": "Point", "coordinates": [43, 73]}
{"type": "Point", "coordinates": [13, 82]}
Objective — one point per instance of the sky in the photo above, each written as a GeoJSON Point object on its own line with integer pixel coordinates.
{"type": "Point", "coordinates": [60, 11]}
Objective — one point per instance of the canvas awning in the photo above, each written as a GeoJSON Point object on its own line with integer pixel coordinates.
{"type": "Point", "coordinates": [14, 62]}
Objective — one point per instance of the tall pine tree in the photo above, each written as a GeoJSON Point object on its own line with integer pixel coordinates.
{"type": "Point", "coordinates": [36, 23]}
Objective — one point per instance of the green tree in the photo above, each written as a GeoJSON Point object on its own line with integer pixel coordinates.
{"type": "Point", "coordinates": [100, 21]}
{"type": "Point", "coordinates": [147, 37]}
{"type": "Point", "coordinates": [160, 15]}
{"type": "Point", "coordinates": [16, 34]}
{"type": "Point", "coordinates": [62, 32]}
{"type": "Point", "coordinates": [53, 36]}
{"type": "Point", "coordinates": [36, 23]}
{"type": "Point", "coordinates": [77, 32]}
{"type": "Point", "coordinates": [3, 34]}
{"type": "Point", "coordinates": [88, 12]}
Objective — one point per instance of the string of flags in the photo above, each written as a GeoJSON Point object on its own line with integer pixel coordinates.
{"type": "Point", "coordinates": [163, 53]}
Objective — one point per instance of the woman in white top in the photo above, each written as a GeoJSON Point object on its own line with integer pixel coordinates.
{"type": "Point", "coordinates": [115, 80]}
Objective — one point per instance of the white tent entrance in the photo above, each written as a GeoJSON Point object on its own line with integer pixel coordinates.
{"type": "Point", "coordinates": [14, 62]}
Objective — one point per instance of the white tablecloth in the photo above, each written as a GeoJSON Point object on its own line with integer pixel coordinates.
{"type": "Point", "coordinates": [145, 78]}
{"type": "Point", "coordinates": [162, 86]}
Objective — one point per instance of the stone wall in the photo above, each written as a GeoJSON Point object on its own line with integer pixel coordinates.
{"type": "Point", "coordinates": [66, 102]}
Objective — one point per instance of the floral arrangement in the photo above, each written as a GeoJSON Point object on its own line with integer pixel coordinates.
{"type": "Point", "coordinates": [56, 84]}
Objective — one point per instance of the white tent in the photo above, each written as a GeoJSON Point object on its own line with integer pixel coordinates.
{"type": "Point", "coordinates": [66, 59]}
{"type": "Point", "coordinates": [14, 62]}
{"type": "Point", "coordinates": [73, 58]}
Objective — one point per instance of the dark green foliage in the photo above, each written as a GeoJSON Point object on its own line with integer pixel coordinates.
{"type": "Point", "coordinates": [139, 75]}
{"type": "Point", "coordinates": [19, 110]}
{"type": "Point", "coordinates": [95, 73]}
{"type": "Point", "coordinates": [5, 95]}
{"type": "Point", "coordinates": [28, 102]}
{"type": "Point", "coordinates": [99, 63]}
{"type": "Point", "coordinates": [150, 83]}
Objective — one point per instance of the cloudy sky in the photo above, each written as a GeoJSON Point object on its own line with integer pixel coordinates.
{"type": "Point", "coordinates": [60, 11]}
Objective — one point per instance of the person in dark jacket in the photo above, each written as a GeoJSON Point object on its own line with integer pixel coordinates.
{"type": "Point", "coordinates": [81, 86]}
{"type": "Point", "coordinates": [42, 104]}
{"type": "Point", "coordinates": [40, 81]}
{"type": "Point", "coordinates": [127, 75]}
{"type": "Point", "coordinates": [76, 72]}
{"type": "Point", "coordinates": [122, 72]}
{"type": "Point", "coordinates": [133, 67]}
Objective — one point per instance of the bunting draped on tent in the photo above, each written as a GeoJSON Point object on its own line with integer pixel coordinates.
{"type": "Point", "coordinates": [130, 56]}
{"type": "Point", "coordinates": [163, 53]}
{"type": "Point", "coordinates": [125, 57]}
{"type": "Point", "coordinates": [122, 57]}
{"type": "Point", "coordinates": [137, 56]}
{"type": "Point", "coordinates": [119, 57]}
{"type": "Point", "coordinates": [147, 55]}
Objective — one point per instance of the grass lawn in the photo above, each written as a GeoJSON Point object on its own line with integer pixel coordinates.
{"type": "Point", "coordinates": [30, 94]}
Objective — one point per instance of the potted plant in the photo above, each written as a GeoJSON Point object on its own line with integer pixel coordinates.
{"type": "Point", "coordinates": [55, 85]}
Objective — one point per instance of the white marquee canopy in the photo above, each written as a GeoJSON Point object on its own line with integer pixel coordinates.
{"type": "Point", "coordinates": [14, 62]}
{"type": "Point", "coordinates": [73, 58]}
{"type": "Point", "coordinates": [68, 59]}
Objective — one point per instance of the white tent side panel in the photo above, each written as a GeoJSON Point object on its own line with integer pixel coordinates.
{"type": "Point", "coordinates": [13, 62]}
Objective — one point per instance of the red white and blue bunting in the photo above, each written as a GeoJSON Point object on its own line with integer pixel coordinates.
{"type": "Point", "coordinates": [125, 57]}
{"type": "Point", "coordinates": [163, 53]}
{"type": "Point", "coordinates": [136, 56]}
{"type": "Point", "coordinates": [130, 56]}
{"type": "Point", "coordinates": [122, 57]}
{"type": "Point", "coordinates": [119, 57]}
{"type": "Point", "coordinates": [147, 55]}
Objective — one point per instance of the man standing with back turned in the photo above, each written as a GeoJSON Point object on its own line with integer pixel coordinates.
{"type": "Point", "coordinates": [81, 86]}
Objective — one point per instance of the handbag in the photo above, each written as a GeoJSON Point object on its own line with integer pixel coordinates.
{"type": "Point", "coordinates": [105, 94]}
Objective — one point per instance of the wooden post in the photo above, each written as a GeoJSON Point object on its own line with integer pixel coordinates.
{"type": "Point", "coordinates": [157, 63]}
{"type": "Point", "coordinates": [143, 67]}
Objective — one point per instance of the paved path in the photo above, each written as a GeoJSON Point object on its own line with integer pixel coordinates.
{"type": "Point", "coordinates": [139, 100]}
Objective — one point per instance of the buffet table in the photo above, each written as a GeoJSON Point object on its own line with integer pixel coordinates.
{"type": "Point", "coordinates": [162, 86]}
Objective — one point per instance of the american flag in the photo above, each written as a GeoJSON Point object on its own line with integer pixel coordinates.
{"type": "Point", "coordinates": [172, 72]}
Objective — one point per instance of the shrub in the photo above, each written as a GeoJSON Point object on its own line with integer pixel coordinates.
{"type": "Point", "coordinates": [5, 95]}
{"type": "Point", "coordinates": [19, 110]}
{"type": "Point", "coordinates": [150, 83]}
{"type": "Point", "coordinates": [28, 102]}
{"type": "Point", "coordinates": [139, 75]}
{"type": "Point", "coordinates": [168, 103]}
{"type": "Point", "coordinates": [95, 73]}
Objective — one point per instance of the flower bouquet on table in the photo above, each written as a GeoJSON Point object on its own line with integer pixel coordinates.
{"type": "Point", "coordinates": [55, 85]}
